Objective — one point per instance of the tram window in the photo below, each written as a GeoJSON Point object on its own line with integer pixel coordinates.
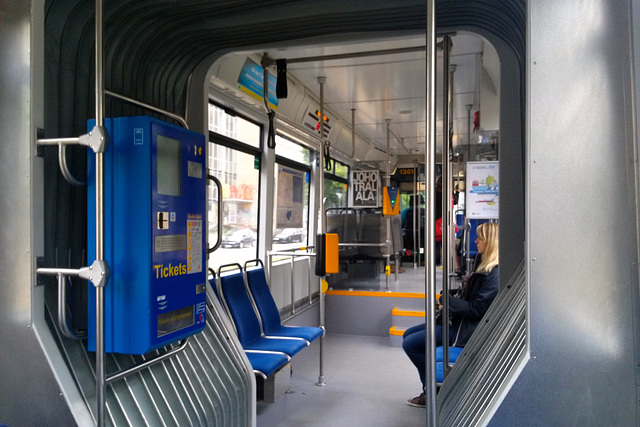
{"type": "Point", "coordinates": [234, 127]}
{"type": "Point", "coordinates": [236, 164]}
{"type": "Point", "coordinates": [290, 150]}
{"type": "Point", "coordinates": [335, 185]}
{"type": "Point", "coordinates": [292, 176]}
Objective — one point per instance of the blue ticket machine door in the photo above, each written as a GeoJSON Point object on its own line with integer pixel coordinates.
{"type": "Point", "coordinates": [155, 219]}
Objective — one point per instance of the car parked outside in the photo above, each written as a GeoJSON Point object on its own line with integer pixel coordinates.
{"type": "Point", "coordinates": [289, 235]}
{"type": "Point", "coordinates": [241, 238]}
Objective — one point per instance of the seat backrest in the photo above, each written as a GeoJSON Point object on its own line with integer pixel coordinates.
{"type": "Point", "coordinates": [473, 235]}
{"type": "Point", "coordinates": [257, 281]}
{"type": "Point", "coordinates": [211, 278]}
{"type": "Point", "coordinates": [240, 307]}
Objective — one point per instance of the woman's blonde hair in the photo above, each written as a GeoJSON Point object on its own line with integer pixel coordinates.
{"type": "Point", "coordinates": [489, 233]}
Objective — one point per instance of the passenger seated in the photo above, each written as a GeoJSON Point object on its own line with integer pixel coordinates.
{"type": "Point", "coordinates": [466, 309]}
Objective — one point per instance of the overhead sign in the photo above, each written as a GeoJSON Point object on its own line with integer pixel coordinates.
{"type": "Point", "coordinates": [483, 189]}
{"type": "Point", "coordinates": [365, 188]}
{"type": "Point", "coordinates": [250, 81]}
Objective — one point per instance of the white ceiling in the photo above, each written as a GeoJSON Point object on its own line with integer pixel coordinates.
{"type": "Point", "coordinates": [390, 86]}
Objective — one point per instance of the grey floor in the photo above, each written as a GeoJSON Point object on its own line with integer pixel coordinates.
{"type": "Point", "coordinates": [367, 384]}
{"type": "Point", "coordinates": [409, 279]}
{"type": "Point", "coordinates": [368, 381]}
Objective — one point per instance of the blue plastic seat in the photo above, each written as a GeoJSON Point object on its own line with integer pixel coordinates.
{"type": "Point", "coordinates": [212, 282]}
{"type": "Point", "coordinates": [265, 364]}
{"type": "Point", "coordinates": [454, 353]}
{"type": "Point", "coordinates": [439, 376]}
{"type": "Point", "coordinates": [244, 317]}
{"type": "Point", "coordinates": [271, 322]}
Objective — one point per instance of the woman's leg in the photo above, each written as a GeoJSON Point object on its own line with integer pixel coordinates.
{"type": "Point", "coordinates": [413, 329]}
{"type": "Point", "coordinates": [413, 343]}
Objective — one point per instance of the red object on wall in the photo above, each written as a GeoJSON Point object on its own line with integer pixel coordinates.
{"type": "Point", "coordinates": [476, 121]}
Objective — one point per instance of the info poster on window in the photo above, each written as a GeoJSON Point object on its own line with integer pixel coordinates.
{"type": "Point", "coordinates": [483, 190]}
{"type": "Point", "coordinates": [289, 213]}
{"type": "Point", "coordinates": [365, 189]}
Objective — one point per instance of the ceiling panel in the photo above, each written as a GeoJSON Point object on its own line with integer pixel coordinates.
{"type": "Point", "coordinates": [387, 86]}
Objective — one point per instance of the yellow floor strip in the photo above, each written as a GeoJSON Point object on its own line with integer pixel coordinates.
{"type": "Point", "coordinates": [408, 313]}
{"type": "Point", "coordinates": [376, 294]}
{"type": "Point", "coordinates": [396, 332]}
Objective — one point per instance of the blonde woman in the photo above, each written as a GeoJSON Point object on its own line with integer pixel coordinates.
{"type": "Point", "coordinates": [466, 308]}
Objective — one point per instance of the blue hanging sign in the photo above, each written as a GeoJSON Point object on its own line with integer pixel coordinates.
{"type": "Point", "coordinates": [250, 82]}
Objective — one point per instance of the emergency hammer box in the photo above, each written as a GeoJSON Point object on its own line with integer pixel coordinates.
{"type": "Point", "coordinates": [154, 241]}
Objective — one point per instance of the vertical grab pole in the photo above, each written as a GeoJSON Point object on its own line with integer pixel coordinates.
{"type": "Point", "coordinates": [446, 201]}
{"type": "Point", "coordinates": [467, 222]}
{"type": "Point", "coordinates": [429, 229]}
{"type": "Point", "coordinates": [415, 213]}
{"type": "Point", "coordinates": [310, 279]}
{"type": "Point", "coordinates": [321, 223]}
{"type": "Point", "coordinates": [100, 354]}
{"type": "Point", "coordinates": [293, 289]}
{"type": "Point", "coordinates": [387, 183]}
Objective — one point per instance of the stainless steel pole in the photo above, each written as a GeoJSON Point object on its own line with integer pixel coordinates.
{"type": "Point", "coordinates": [322, 226]}
{"type": "Point", "coordinates": [387, 183]}
{"type": "Point", "coordinates": [415, 207]}
{"type": "Point", "coordinates": [293, 288]}
{"type": "Point", "coordinates": [429, 229]}
{"type": "Point", "coordinates": [467, 227]}
{"type": "Point", "coordinates": [446, 201]}
{"type": "Point", "coordinates": [99, 99]}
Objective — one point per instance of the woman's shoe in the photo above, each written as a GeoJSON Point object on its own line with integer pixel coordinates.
{"type": "Point", "coordinates": [418, 401]}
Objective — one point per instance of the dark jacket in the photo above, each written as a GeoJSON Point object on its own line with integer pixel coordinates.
{"type": "Point", "coordinates": [467, 310]}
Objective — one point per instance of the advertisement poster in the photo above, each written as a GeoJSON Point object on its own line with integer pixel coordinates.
{"type": "Point", "coordinates": [365, 189]}
{"type": "Point", "coordinates": [483, 189]}
{"type": "Point", "coordinates": [250, 81]}
{"type": "Point", "coordinates": [290, 209]}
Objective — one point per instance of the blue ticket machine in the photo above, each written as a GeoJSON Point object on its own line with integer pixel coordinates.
{"type": "Point", "coordinates": [155, 219]}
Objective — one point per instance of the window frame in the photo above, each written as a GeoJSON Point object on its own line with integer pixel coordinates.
{"type": "Point", "coordinates": [242, 147]}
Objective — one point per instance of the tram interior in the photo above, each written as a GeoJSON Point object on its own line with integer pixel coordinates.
{"type": "Point", "coordinates": [374, 98]}
{"type": "Point", "coordinates": [374, 107]}
{"type": "Point", "coordinates": [347, 151]}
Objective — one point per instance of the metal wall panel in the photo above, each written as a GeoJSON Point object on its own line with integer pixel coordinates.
{"type": "Point", "coordinates": [23, 401]}
{"type": "Point", "coordinates": [582, 224]}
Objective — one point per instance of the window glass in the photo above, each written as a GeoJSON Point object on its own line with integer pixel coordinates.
{"type": "Point", "coordinates": [291, 206]}
{"type": "Point", "coordinates": [335, 185]}
{"type": "Point", "coordinates": [233, 126]}
{"type": "Point", "coordinates": [341, 170]}
{"type": "Point", "coordinates": [292, 151]}
{"type": "Point", "coordinates": [335, 193]}
{"type": "Point", "coordinates": [239, 174]}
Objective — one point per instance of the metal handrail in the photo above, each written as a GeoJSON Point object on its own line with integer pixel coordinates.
{"type": "Point", "coordinates": [62, 311]}
{"type": "Point", "coordinates": [293, 301]}
{"type": "Point", "coordinates": [370, 245]}
{"type": "Point", "coordinates": [218, 184]}
{"type": "Point", "coordinates": [66, 173]}
{"type": "Point", "coordinates": [147, 363]}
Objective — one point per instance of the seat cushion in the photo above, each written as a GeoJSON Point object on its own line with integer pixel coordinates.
{"type": "Point", "coordinates": [282, 345]}
{"type": "Point", "coordinates": [309, 333]}
{"type": "Point", "coordinates": [267, 363]}
{"type": "Point", "coordinates": [454, 353]}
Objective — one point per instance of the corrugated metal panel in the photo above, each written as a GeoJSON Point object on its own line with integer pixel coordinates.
{"type": "Point", "coordinates": [209, 383]}
{"type": "Point", "coordinates": [472, 390]}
